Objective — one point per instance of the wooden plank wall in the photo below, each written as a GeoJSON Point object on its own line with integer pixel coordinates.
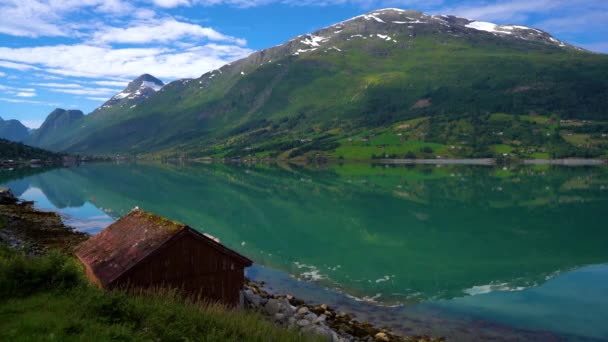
{"type": "Point", "coordinates": [191, 266]}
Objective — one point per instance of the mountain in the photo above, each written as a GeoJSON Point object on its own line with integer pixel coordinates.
{"type": "Point", "coordinates": [137, 91]}
{"type": "Point", "coordinates": [13, 130]}
{"type": "Point", "coordinates": [388, 83]}
{"type": "Point", "coordinates": [53, 128]}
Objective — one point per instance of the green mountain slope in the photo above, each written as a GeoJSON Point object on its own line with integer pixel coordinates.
{"type": "Point", "coordinates": [12, 130]}
{"type": "Point", "coordinates": [338, 89]}
{"type": "Point", "coordinates": [53, 128]}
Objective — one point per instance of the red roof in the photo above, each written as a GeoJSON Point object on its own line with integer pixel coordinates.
{"type": "Point", "coordinates": [131, 239]}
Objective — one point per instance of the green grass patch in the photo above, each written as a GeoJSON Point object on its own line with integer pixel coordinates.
{"type": "Point", "coordinates": [501, 117]}
{"type": "Point", "coordinates": [539, 119]}
{"type": "Point", "coordinates": [540, 155]}
{"type": "Point", "coordinates": [400, 150]}
{"type": "Point", "coordinates": [46, 298]}
{"type": "Point", "coordinates": [501, 148]}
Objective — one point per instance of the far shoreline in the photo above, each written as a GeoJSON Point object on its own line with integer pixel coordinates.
{"type": "Point", "coordinates": [436, 161]}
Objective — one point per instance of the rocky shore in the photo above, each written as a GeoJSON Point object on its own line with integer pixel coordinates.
{"type": "Point", "coordinates": [25, 228]}
{"type": "Point", "coordinates": [321, 320]}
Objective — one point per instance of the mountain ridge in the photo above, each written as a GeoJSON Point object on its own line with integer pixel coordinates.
{"type": "Point", "coordinates": [13, 130]}
{"type": "Point", "coordinates": [53, 126]}
{"type": "Point", "coordinates": [369, 71]}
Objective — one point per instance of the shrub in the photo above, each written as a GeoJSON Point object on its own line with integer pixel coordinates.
{"type": "Point", "coordinates": [21, 275]}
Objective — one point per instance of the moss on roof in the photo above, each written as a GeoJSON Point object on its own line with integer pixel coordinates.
{"type": "Point", "coordinates": [161, 221]}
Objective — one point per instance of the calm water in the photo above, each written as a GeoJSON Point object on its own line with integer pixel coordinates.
{"type": "Point", "coordinates": [470, 253]}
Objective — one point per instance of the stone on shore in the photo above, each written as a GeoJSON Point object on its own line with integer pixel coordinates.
{"type": "Point", "coordinates": [382, 337]}
{"type": "Point", "coordinates": [303, 322]}
{"type": "Point", "coordinates": [273, 306]}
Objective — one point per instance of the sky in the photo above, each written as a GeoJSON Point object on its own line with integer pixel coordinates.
{"type": "Point", "coordinates": [76, 54]}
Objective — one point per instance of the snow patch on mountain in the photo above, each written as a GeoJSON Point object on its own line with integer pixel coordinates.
{"type": "Point", "coordinates": [152, 85]}
{"type": "Point", "coordinates": [484, 26]}
{"type": "Point", "coordinates": [121, 95]}
{"type": "Point", "coordinates": [504, 29]}
{"type": "Point", "coordinates": [372, 16]}
{"type": "Point", "coordinates": [313, 40]}
{"type": "Point", "coordinates": [144, 90]}
{"type": "Point", "coordinates": [139, 89]}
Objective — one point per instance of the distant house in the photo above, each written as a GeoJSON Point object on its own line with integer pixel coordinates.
{"type": "Point", "coordinates": [144, 250]}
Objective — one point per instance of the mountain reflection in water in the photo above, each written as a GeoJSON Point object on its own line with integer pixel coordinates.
{"type": "Point", "coordinates": [455, 239]}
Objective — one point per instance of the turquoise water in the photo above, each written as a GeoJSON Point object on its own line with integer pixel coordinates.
{"type": "Point", "coordinates": [464, 252]}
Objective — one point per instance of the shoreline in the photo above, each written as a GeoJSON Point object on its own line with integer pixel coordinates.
{"type": "Point", "coordinates": [291, 312]}
{"type": "Point", "coordinates": [35, 232]}
{"type": "Point", "coordinates": [566, 162]}
{"type": "Point", "coordinates": [436, 161]}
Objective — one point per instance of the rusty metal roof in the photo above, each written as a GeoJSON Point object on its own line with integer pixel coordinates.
{"type": "Point", "coordinates": [131, 239]}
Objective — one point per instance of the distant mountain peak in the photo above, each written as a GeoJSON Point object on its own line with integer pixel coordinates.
{"type": "Point", "coordinates": [12, 130]}
{"type": "Point", "coordinates": [139, 89]}
{"type": "Point", "coordinates": [145, 81]}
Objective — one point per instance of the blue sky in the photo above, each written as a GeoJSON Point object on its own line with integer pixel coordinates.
{"type": "Point", "coordinates": [75, 54]}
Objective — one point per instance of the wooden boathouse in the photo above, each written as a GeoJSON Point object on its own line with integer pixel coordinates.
{"type": "Point", "coordinates": [144, 250]}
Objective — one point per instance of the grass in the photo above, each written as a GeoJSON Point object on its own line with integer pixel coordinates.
{"type": "Point", "coordinates": [87, 314]}
{"type": "Point", "coordinates": [503, 148]}
{"type": "Point", "coordinates": [577, 139]}
{"type": "Point", "coordinates": [367, 152]}
{"type": "Point", "coordinates": [46, 298]}
{"type": "Point", "coordinates": [540, 155]}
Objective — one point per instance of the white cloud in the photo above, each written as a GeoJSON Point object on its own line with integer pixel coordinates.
{"type": "Point", "coordinates": [144, 13]}
{"type": "Point", "coordinates": [87, 91]}
{"type": "Point", "coordinates": [521, 11]}
{"type": "Point", "coordinates": [18, 66]}
{"type": "Point", "coordinates": [25, 94]}
{"type": "Point", "coordinates": [112, 83]}
{"type": "Point", "coordinates": [2, 74]}
{"type": "Point", "coordinates": [13, 100]}
{"type": "Point", "coordinates": [47, 77]}
{"type": "Point", "coordinates": [35, 18]}
{"type": "Point", "coordinates": [514, 10]}
{"type": "Point", "coordinates": [18, 92]}
{"type": "Point", "coordinates": [167, 30]}
{"type": "Point", "coordinates": [584, 21]}
{"type": "Point", "coordinates": [79, 89]}
{"type": "Point", "coordinates": [78, 60]}
{"type": "Point", "coordinates": [320, 3]}
{"type": "Point", "coordinates": [171, 3]}
{"type": "Point", "coordinates": [28, 18]}
{"type": "Point", "coordinates": [58, 85]}
{"type": "Point", "coordinates": [103, 99]}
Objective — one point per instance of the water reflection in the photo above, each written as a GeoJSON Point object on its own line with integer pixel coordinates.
{"type": "Point", "coordinates": [447, 237]}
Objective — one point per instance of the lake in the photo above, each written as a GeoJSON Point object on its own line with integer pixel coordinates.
{"type": "Point", "coordinates": [466, 252]}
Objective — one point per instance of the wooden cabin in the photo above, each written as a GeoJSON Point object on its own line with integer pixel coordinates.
{"type": "Point", "coordinates": [144, 250]}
